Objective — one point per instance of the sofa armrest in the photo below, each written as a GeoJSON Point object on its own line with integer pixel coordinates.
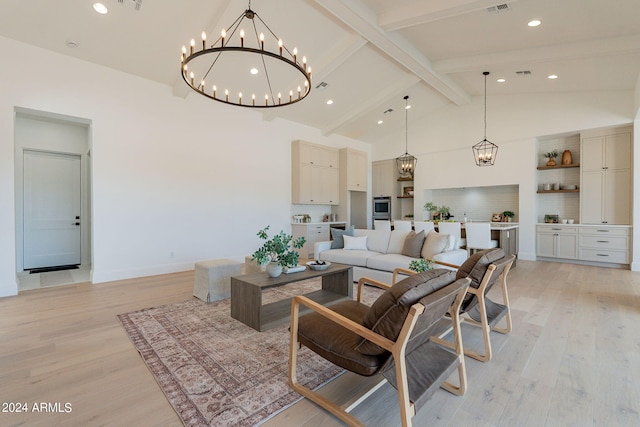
{"type": "Point", "coordinates": [320, 247]}
{"type": "Point", "coordinates": [456, 256]}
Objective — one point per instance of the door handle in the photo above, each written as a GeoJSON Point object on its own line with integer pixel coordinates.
{"type": "Point", "coordinates": [75, 223]}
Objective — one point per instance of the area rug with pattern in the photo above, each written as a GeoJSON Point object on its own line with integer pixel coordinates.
{"type": "Point", "coordinates": [216, 371]}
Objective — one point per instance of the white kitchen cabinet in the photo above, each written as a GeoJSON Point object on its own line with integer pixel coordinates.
{"type": "Point", "coordinates": [384, 178]}
{"type": "Point", "coordinates": [357, 170]}
{"type": "Point", "coordinates": [605, 244]}
{"type": "Point", "coordinates": [312, 233]}
{"type": "Point", "coordinates": [557, 241]}
{"type": "Point", "coordinates": [606, 152]}
{"type": "Point", "coordinates": [606, 179]}
{"type": "Point", "coordinates": [317, 185]}
{"type": "Point", "coordinates": [314, 174]}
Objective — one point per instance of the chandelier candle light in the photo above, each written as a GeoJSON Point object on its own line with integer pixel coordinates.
{"type": "Point", "coordinates": [240, 64]}
{"type": "Point", "coordinates": [406, 163]}
{"type": "Point", "coordinates": [484, 152]}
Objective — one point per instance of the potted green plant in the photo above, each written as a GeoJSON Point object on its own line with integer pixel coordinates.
{"type": "Point", "coordinates": [551, 155]}
{"type": "Point", "coordinates": [421, 265]}
{"type": "Point", "coordinates": [278, 252]}
{"type": "Point", "coordinates": [508, 215]}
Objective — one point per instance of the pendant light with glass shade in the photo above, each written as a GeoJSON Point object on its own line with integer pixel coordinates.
{"type": "Point", "coordinates": [485, 152]}
{"type": "Point", "coordinates": [406, 163]}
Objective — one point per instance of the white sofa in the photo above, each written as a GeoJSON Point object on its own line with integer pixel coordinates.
{"type": "Point", "coordinates": [384, 253]}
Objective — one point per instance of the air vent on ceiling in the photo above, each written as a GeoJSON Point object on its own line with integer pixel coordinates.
{"type": "Point", "coordinates": [523, 73]}
{"type": "Point", "coordinates": [500, 8]}
{"type": "Point", "coordinates": [136, 4]}
{"type": "Point", "coordinates": [322, 85]}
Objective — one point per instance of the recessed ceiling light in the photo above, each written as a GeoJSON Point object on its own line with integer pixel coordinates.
{"type": "Point", "coordinates": [253, 71]}
{"type": "Point", "coordinates": [380, 122]}
{"type": "Point", "coordinates": [534, 23]}
{"type": "Point", "coordinates": [100, 8]}
{"type": "Point", "coordinates": [407, 107]}
{"type": "Point", "coordinates": [501, 80]}
{"type": "Point", "coordinates": [552, 77]}
{"type": "Point", "coordinates": [329, 101]}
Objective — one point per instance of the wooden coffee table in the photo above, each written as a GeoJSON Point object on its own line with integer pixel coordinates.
{"type": "Point", "coordinates": [246, 294]}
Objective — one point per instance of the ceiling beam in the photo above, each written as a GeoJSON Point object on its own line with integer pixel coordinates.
{"type": "Point", "coordinates": [363, 21]}
{"type": "Point", "coordinates": [336, 56]}
{"type": "Point", "coordinates": [568, 51]}
{"type": "Point", "coordinates": [373, 103]}
{"type": "Point", "coordinates": [421, 12]}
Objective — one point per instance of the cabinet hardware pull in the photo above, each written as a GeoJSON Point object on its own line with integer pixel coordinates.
{"type": "Point", "coordinates": [556, 229]}
{"type": "Point", "coordinates": [602, 255]}
{"type": "Point", "coordinates": [602, 241]}
{"type": "Point", "coordinates": [603, 231]}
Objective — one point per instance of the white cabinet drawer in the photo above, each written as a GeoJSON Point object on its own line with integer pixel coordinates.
{"type": "Point", "coordinates": [606, 231]}
{"type": "Point", "coordinates": [605, 242]}
{"type": "Point", "coordinates": [557, 229]}
{"type": "Point", "coordinates": [619, 257]}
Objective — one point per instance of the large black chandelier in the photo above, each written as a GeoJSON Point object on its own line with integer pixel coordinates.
{"type": "Point", "coordinates": [406, 163]}
{"type": "Point", "coordinates": [252, 69]}
{"type": "Point", "coordinates": [485, 152]}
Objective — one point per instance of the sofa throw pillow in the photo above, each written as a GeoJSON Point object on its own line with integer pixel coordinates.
{"type": "Point", "coordinates": [336, 235]}
{"type": "Point", "coordinates": [452, 244]}
{"type": "Point", "coordinates": [396, 241]}
{"type": "Point", "coordinates": [434, 244]}
{"type": "Point", "coordinates": [413, 244]}
{"type": "Point", "coordinates": [355, 243]}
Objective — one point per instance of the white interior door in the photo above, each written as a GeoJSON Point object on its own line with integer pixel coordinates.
{"type": "Point", "coordinates": [51, 209]}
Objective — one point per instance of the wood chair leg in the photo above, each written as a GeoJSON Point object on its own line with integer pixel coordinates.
{"type": "Point", "coordinates": [304, 391]}
{"type": "Point", "coordinates": [461, 388]}
{"type": "Point", "coordinates": [505, 299]}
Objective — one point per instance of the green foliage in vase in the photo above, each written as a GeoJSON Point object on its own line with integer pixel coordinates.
{"type": "Point", "coordinates": [278, 249]}
{"type": "Point", "coordinates": [421, 265]}
{"type": "Point", "coordinates": [552, 154]}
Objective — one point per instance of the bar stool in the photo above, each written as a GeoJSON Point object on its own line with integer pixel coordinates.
{"type": "Point", "coordinates": [454, 229]}
{"type": "Point", "coordinates": [382, 224]}
{"type": "Point", "coordinates": [425, 226]}
{"type": "Point", "coordinates": [402, 225]}
{"type": "Point", "coordinates": [479, 236]}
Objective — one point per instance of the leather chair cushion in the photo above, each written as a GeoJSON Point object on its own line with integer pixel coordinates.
{"type": "Point", "coordinates": [337, 344]}
{"type": "Point", "coordinates": [476, 265]}
{"type": "Point", "coordinates": [474, 268]}
{"type": "Point", "coordinates": [388, 313]}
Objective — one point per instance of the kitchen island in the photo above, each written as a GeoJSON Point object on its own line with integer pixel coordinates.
{"type": "Point", "coordinates": [506, 233]}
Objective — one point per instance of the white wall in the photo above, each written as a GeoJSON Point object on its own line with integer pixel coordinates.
{"type": "Point", "coordinates": [184, 177]}
{"type": "Point", "coordinates": [442, 142]}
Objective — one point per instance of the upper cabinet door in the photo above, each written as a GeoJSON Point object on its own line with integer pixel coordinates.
{"type": "Point", "coordinates": [592, 153]}
{"type": "Point", "coordinates": [617, 151]}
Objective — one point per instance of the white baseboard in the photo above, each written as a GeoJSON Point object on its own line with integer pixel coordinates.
{"type": "Point", "coordinates": [99, 276]}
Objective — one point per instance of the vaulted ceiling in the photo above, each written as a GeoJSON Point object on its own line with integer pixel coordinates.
{"type": "Point", "coordinates": [370, 53]}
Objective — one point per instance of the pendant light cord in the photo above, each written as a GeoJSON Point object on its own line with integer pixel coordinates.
{"type": "Point", "coordinates": [406, 125]}
{"type": "Point", "coordinates": [486, 73]}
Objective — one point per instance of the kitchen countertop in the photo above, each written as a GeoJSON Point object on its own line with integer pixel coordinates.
{"type": "Point", "coordinates": [555, 224]}
{"type": "Point", "coordinates": [318, 222]}
{"type": "Point", "coordinates": [496, 225]}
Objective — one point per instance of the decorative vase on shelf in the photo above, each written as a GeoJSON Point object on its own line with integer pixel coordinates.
{"type": "Point", "coordinates": [274, 269]}
{"type": "Point", "coordinates": [567, 159]}
{"type": "Point", "coordinates": [551, 162]}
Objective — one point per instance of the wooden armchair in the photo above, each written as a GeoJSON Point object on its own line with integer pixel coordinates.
{"type": "Point", "coordinates": [392, 337]}
{"type": "Point", "coordinates": [484, 268]}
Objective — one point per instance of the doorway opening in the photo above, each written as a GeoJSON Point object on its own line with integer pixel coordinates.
{"type": "Point", "coordinates": [53, 199]}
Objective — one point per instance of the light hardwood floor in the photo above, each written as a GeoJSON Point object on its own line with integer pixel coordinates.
{"type": "Point", "coordinates": [573, 357]}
